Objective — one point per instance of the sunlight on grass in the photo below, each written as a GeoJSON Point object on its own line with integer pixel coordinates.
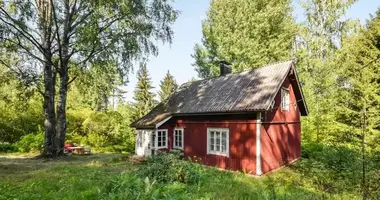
{"type": "Point", "coordinates": [113, 176]}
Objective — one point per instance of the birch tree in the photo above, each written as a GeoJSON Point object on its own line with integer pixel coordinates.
{"type": "Point", "coordinates": [50, 34]}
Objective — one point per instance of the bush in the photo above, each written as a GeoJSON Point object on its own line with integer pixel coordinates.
{"type": "Point", "coordinates": [7, 147]}
{"type": "Point", "coordinates": [169, 167]}
{"type": "Point", "coordinates": [31, 142]}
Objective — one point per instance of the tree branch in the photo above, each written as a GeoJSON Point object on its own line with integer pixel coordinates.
{"type": "Point", "coordinates": [26, 50]}
{"type": "Point", "coordinates": [72, 80]}
{"type": "Point", "coordinates": [57, 32]}
{"type": "Point", "coordinates": [23, 32]}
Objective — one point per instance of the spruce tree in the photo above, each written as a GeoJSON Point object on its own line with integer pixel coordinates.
{"type": "Point", "coordinates": [167, 86]}
{"type": "Point", "coordinates": [359, 84]}
{"type": "Point", "coordinates": [245, 33]}
{"type": "Point", "coordinates": [358, 99]}
{"type": "Point", "coordinates": [143, 95]}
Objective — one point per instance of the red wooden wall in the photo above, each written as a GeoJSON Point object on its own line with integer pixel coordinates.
{"type": "Point", "coordinates": [242, 138]}
{"type": "Point", "coordinates": [281, 133]}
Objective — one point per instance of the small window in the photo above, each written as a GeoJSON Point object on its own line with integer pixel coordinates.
{"type": "Point", "coordinates": [178, 138]}
{"type": "Point", "coordinates": [218, 141]}
{"type": "Point", "coordinates": [162, 139]}
{"type": "Point", "coordinates": [285, 101]}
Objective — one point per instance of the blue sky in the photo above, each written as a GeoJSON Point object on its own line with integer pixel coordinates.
{"type": "Point", "coordinates": [188, 30]}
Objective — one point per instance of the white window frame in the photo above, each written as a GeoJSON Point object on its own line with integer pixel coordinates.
{"type": "Point", "coordinates": [219, 153]}
{"type": "Point", "coordinates": [182, 138]}
{"type": "Point", "coordinates": [285, 105]}
{"type": "Point", "coordinates": [166, 137]}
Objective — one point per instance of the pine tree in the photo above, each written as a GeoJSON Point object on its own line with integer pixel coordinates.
{"type": "Point", "coordinates": [167, 86]}
{"type": "Point", "coordinates": [245, 33]}
{"type": "Point", "coordinates": [143, 95]}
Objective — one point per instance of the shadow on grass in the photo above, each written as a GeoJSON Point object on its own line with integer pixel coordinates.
{"type": "Point", "coordinates": [21, 164]}
{"type": "Point", "coordinates": [75, 177]}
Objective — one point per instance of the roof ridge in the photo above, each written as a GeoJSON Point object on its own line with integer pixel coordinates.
{"type": "Point", "coordinates": [234, 73]}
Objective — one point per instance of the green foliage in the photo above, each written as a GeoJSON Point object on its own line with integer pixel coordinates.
{"type": "Point", "coordinates": [104, 131]}
{"type": "Point", "coordinates": [7, 147]}
{"type": "Point", "coordinates": [359, 81]}
{"type": "Point", "coordinates": [167, 86]}
{"type": "Point", "coordinates": [31, 142]}
{"type": "Point", "coordinates": [318, 41]}
{"type": "Point", "coordinates": [98, 87]}
{"type": "Point", "coordinates": [168, 167]}
{"type": "Point", "coordinates": [143, 95]}
{"type": "Point", "coordinates": [20, 111]}
{"type": "Point", "coordinates": [245, 33]}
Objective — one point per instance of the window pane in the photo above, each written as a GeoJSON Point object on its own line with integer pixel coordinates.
{"type": "Point", "coordinates": [180, 143]}
{"type": "Point", "coordinates": [212, 147]}
{"type": "Point", "coordinates": [217, 143]}
{"type": "Point", "coordinates": [159, 144]}
{"type": "Point", "coordinates": [224, 145]}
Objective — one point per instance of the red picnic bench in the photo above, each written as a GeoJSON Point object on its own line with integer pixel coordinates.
{"type": "Point", "coordinates": [80, 150]}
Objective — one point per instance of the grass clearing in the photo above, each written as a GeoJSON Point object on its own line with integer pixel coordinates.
{"type": "Point", "coordinates": [74, 177]}
{"type": "Point", "coordinates": [115, 176]}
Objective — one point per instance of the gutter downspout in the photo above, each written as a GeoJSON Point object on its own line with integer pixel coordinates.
{"type": "Point", "coordinates": [258, 145]}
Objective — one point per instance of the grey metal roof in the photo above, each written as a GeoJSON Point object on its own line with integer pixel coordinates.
{"type": "Point", "coordinates": [250, 90]}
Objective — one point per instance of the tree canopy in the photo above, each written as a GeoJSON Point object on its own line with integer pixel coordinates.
{"type": "Point", "coordinates": [247, 34]}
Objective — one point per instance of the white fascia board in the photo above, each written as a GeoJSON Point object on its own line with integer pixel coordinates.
{"type": "Point", "coordinates": [162, 122]}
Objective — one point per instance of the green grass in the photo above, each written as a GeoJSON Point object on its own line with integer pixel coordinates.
{"type": "Point", "coordinates": [114, 176]}
{"type": "Point", "coordinates": [74, 177]}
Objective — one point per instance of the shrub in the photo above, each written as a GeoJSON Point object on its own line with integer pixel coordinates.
{"type": "Point", "coordinates": [7, 147]}
{"type": "Point", "coordinates": [169, 167]}
{"type": "Point", "coordinates": [31, 142]}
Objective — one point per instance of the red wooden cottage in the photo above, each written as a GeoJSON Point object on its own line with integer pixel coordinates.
{"type": "Point", "coordinates": [247, 121]}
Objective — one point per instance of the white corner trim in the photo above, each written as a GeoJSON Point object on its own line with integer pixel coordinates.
{"type": "Point", "coordinates": [162, 121]}
{"type": "Point", "coordinates": [258, 145]}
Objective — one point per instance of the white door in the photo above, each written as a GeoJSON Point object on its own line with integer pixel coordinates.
{"type": "Point", "coordinates": [144, 142]}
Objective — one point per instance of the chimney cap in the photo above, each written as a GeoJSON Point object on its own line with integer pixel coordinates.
{"type": "Point", "coordinates": [225, 68]}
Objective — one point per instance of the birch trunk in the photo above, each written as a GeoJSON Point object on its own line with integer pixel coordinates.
{"type": "Point", "coordinates": [45, 28]}
{"type": "Point", "coordinates": [63, 79]}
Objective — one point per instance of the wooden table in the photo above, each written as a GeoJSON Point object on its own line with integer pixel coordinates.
{"type": "Point", "coordinates": [80, 150]}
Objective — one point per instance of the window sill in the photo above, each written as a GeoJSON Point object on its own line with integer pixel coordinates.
{"type": "Point", "coordinates": [178, 148]}
{"type": "Point", "coordinates": [218, 154]}
{"type": "Point", "coordinates": [161, 147]}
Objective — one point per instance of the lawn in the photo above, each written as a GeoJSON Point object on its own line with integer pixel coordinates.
{"type": "Point", "coordinates": [74, 177]}
{"type": "Point", "coordinates": [113, 176]}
